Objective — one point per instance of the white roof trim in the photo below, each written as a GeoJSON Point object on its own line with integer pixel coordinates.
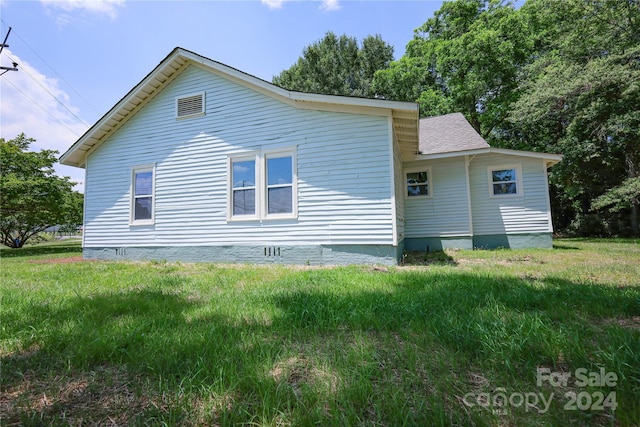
{"type": "Point", "coordinates": [551, 158]}
{"type": "Point", "coordinates": [171, 66]}
{"type": "Point", "coordinates": [293, 95]}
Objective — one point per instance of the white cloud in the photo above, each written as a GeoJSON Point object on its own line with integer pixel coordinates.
{"type": "Point", "coordinates": [27, 107]}
{"type": "Point", "coordinates": [330, 5]}
{"type": "Point", "coordinates": [273, 4]}
{"type": "Point", "coordinates": [326, 5]}
{"type": "Point", "coordinates": [103, 7]}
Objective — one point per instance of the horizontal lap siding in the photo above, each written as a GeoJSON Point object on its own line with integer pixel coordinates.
{"type": "Point", "coordinates": [518, 214]}
{"type": "Point", "coordinates": [446, 213]}
{"type": "Point", "coordinates": [342, 164]}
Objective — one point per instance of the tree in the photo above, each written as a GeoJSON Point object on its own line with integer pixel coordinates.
{"type": "Point", "coordinates": [32, 197]}
{"type": "Point", "coordinates": [581, 97]}
{"type": "Point", "coordinates": [337, 66]}
{"type": "Point", "coordinates": [621, 197]}
{"type": "Point", "coordinates": [559, 76]}
{"type": "Point", "coordinates": [464, 59]}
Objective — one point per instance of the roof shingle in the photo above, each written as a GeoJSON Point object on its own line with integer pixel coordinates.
{"type": "Point", "coordinates": [447, 134]}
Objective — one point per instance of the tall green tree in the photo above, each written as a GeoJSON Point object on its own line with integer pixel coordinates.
{"type": "Point", "coordinates": [555, 75]}
{"type": "Point", "coordinates": [337, 65]}
{"type": "Point", "coordinates": [465, 59]}
{"type": "Point", "coordinates": [581, 97]}
{"type": "Point", "coordinates": [32, 197]}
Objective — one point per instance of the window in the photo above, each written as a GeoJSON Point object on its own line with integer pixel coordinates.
{"type": "Point", "coordinates": [279, 185]}
{"type": "Point", "coordinates": [190, 105]}
{"type": "Point", "coordinates": [418, 183]}
{"type": "Point", "coordinates": [142, 195]}
{"type": "Point", "coordinates": [243, 178]}
{"type": "Point", "coordinates": [503, 181]}
{"type": "Point", "coordinates": [263, 186]}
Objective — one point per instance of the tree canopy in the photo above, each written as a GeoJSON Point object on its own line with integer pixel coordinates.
{"type": "Point", "coordinates": [581, 97]}
{"type": "Point", "coordinates": [464, 59]}
{"type": "Point", "coordinates": [32, 197]}
{"type": "Point", "coordinates": [337, 65]}
{"type": "Point", "coordinates": [561, 76]}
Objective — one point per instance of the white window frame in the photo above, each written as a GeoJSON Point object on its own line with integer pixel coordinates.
{"type": "Point", "coordinates": [261, 187]}
{"type": "Point", "coordinates": [519, 184]}
{"type": "Point", "coordinates": [188, 95]}
{"type": "Point", "coordinates": [243, 158]}
{"type": "Point", "coordinates": [275, 154]}
{"type": "Point", "coordinates": [132, 205]}
{"type": "Point", "coordinates": [426, 169]}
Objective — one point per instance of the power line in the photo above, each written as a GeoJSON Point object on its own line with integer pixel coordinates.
{"type": "Point", "coordinates": [45, 88]}
{"type": "Point", "coordinates": [42, 108]}
{"type": "Point", "coordinates": [52, 95]}
{"type": "Point", "coordinates": [54, 71]}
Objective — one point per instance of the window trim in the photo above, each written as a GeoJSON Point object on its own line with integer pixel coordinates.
{"type": "Point", "coordinates": [426, 169]}
{"type": "Point", "coordinates": [519, 184]}
{"type": "Point", "coordinates": [189, 95]}
{"type": "Point", "coordinates": [261, 187]}
{"type": "Point", "coordinates": [132, 204]}
{"type": "Point", "coordinates": [275, 154]}
{"type": "Point", "coordinates": [230, 188]}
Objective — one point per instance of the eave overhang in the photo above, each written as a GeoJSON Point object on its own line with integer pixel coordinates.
{"type": "Point", "coordinates": [405, 115]}
{"type": "Point", "coordinates": [550, 159]}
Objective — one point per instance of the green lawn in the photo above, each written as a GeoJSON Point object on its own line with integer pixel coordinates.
{"type": "Point", "coordinates": [456, 338]}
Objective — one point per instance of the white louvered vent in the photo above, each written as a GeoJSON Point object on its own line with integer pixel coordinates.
{"type": "Point", "coordinates": [190, 105]}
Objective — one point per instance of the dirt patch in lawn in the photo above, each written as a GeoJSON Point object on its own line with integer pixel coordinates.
{"type": "Point", "coordinates": [107, 395]}
{"type": "Point", "coordinates": [628, 322]}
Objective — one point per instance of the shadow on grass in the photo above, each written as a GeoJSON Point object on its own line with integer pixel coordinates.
{"type": "Point", "coordinates": [94, 333]}
{"type": "Point", "coordinates": [326, 354]}
{"type": "Point", "coordinates": [563, 247]}
{"type": "Point", "coordinates": [611, 240]}
{"type": "Point", "coordinates": [427, 258]}
{"type": "Point", "coordinates": [72, 248]}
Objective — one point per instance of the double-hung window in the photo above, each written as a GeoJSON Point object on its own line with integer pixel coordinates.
{"type": "Point", "coordinates": [279, 185]}
{"type": "Point", "coordinates": [243, 187]}
{"type": "Point", "coordinates": [263, 186]}
{"type": "Point", "coordinates": [504, 181]}
{"type": "Point", "coordinates": [142, 200]}
{"type": "Point", "coordinates": [418, 183]}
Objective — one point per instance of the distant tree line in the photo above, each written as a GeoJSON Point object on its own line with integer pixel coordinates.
{"type": "Point", "coordinates": [559, 76]}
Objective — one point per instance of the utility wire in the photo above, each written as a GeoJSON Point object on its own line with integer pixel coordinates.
{"type": "Point", "coordinates": [52, 69]}
{"type": "Point", "coordinates": [52, 95]}
{"type": "Point", "coordinates": [42, 108]}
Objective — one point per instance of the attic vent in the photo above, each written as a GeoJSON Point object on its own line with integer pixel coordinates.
{"type": "Point", "coordinates": [190, 105]}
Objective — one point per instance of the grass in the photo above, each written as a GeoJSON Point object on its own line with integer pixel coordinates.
{"type": "Point", "coordinates": [431, 343]}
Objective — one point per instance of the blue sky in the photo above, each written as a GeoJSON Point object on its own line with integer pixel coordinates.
{"type": "Point", "coordinates": [77, 58]}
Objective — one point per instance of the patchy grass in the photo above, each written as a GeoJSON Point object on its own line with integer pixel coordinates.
{"type": "Point", "coordinates": [434, 344]}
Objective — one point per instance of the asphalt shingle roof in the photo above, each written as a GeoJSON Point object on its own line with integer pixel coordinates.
{"type": "Point", "coordinates": [447, 134]}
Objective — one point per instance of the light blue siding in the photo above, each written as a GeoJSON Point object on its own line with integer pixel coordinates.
{"type": "Point", "coordinates": [445, 213]}
{"type": "Point", "coordinates": [343, 167]}
{"type": "Point", "coordinates": [524, 213]}
{"type": "Point", "coordinates": [442, 221]}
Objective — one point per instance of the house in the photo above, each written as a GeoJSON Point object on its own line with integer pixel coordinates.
{"type": "Point", "coordinates": [202, 162]}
